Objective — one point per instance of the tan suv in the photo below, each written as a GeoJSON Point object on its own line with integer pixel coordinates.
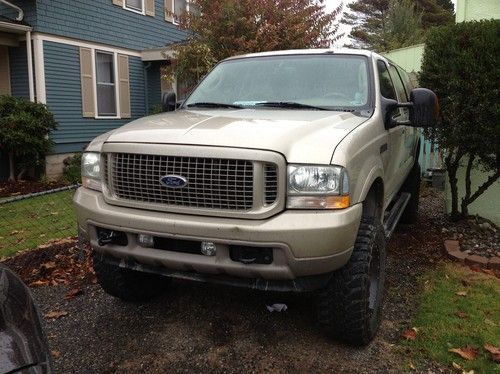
{"type": "Point", "coordinates": [283, 171]}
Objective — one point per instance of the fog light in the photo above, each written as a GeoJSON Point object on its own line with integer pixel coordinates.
{"type": "Point", "coordinates": [208, 248]}
{"type": "Point", "coordinates": [146, 240]}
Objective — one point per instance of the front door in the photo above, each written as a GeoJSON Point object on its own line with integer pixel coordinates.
{"type": "Point", "coordinates": [4, 70]}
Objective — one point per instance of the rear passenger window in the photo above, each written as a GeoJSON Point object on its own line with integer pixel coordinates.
{"type": "Point", "coordinates": [406, 81]}
{"type": "Point", "coordinates": [398, 83]}
{"type": "Point", "coordinates": [386, 85]}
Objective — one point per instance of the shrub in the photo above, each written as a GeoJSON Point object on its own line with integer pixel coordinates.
{"type": "Point", "coordinates": [72, 169]}
{"type": "Point", "coordinates": [461, 64]}
{"type": "Point", "coordinates": [24, 130]}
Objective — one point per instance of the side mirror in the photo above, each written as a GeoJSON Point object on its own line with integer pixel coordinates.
{"type": "Point", "coordinates": [168, 102]}
{"type": "Point", "coordinates": [388, 108]}
{"type": "Point", "coordinates": [425, 108]}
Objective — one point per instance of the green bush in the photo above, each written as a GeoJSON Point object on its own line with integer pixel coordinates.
{"type": "Point", "coordinates": [72, 169]}
{"type": "Point", "coordinates": [461, 64]}
{"type": "Point", "coordinates": [24, 130]}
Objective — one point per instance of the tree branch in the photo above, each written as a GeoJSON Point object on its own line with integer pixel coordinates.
{"type": "Point", "coordinates": [492, 179]}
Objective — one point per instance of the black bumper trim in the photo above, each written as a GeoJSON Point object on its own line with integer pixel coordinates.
{"type": "Point", "coordinates": [301, 284]}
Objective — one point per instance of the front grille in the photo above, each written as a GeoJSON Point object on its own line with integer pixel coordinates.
{"type": "Point", "coordinates": [212, 183]}
{"type": "Point", "coordinates": [271, 183]}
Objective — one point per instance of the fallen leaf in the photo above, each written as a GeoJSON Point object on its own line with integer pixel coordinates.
{"type": "Point", "coordinates": [71, 294]}
{"type": "Point", "coordinates": [55, 354]}
{"type": "Point", "coordinates": [462, 315]}
{"type": "Point", "coordinates": [456, 366]}
{"type": "Point", "coordinates": [412, 367]}
{"type": "Point", "coordinates": [468, 352]}
{"type": "Point", "coordinates": [475, 268]}
{"type": "Point", "coordinates": [494, 351]}
{"type": "Point", "coordinates": [48, 265]}
{"type": "Point", "coordinates": [39, 283]}
{"type": "Point", "coordinates": [489, 322]}
{"type": "Point", "coordinates": [55, 314]}
{"type": "Point", "coordinates": [410, 334]}
{"type": "Point", "coordinates": [468, 372]}
{"type": "Point", "coordinates": [461, 293]}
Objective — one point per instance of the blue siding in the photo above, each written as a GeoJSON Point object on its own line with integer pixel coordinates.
{"type": "Point", "coordinates": [154, 86]}
{"type": "Point", "coordinates": [102, 22]}
{"type": "Point", "coordinates": [19, 71]}
{"type": "Point", "coordinates": [62, 81]}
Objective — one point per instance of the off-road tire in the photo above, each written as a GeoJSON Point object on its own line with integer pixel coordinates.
{"type": "Point", "coordinates": [126, 284]}
{"type": "Point", "coordinates": [349, 306]}
{"type": "Point", "coordinates": [412, 186]}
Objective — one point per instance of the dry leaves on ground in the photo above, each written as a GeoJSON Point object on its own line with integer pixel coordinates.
{"type": "Point", "coordinates": [71, 294]}
{"type": "Point", "coordinates": [468, 352]}
{"type": "Point", "coordinates": [461, 293]}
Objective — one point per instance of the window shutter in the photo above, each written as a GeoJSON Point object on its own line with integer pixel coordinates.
{"type": "Point", "coordinates": [118, 2]}
{"type": "Point", "coordinates": [169, 10]}
{"type": "Point", "coordinates": [149, 6]}
{"type": "Point", "coordinates": [87, 82]}
{"type": "Point", "coordinates": [124, 86]}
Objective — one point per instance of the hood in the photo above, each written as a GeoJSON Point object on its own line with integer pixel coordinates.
{"type": "Point", "coordinates": [304, 136]}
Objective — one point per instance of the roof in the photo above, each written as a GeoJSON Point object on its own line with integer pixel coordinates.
{"type": "Point", "coordinates": [10, 25]}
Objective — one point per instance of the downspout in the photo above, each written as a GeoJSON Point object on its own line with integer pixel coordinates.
{"type": "Point", "coordinates": [20, 13]}
{"type": "Point", "coordinates": [146, 96]}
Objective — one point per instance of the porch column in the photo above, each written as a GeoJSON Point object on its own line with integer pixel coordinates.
{"type": "Point", "coordinates": [30, 66]}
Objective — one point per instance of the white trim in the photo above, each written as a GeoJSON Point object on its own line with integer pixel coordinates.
{"type": "Point", "coordinates": [143, 12]}
{"type": "Point", "coordinates": [31, 84]}
{"type": "Point", "coordinates": [41, 94]}
{"type": "Point", "coordinates": [85, 44]}
{"type": "Point", "coordinates": [94, 85]}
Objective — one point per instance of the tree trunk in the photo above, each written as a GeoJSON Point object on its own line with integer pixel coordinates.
{"type": "Point", "coordinates": [12, 167]}
{"type": "Point", "coordinates": [466, 197]}
{"type": "Point", "coordinates": [451, 168]}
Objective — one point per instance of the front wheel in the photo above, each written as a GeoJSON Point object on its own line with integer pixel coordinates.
{"type": "Point", "coordinates": [349, 307]}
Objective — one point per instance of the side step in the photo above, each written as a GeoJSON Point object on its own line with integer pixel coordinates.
{"type": "Point", "coordinates": [395, 214]}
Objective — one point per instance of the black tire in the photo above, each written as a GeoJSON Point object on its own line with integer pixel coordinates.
{"type": "Point", "coordinates": [126, 284]}
{"type": "Point", "coordinates": [349, 307]}
{"type": "Point", "coordinates": [412, 186]}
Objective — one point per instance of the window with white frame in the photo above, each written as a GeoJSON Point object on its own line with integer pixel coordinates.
{"type": "Point", "coordinates": [134, 5]}
{"type": "Point", "coordinates": [175, 8]}
{"type": "Point", "coordinates": [105, 84]}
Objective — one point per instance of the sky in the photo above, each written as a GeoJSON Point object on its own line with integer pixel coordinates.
{"type": "Point", "coordinates": [332, 4]}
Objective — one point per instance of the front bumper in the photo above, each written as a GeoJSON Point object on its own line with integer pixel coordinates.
{"type": "Point", "coordinates": [304, 243]}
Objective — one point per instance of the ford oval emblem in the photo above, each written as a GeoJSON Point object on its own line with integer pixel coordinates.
{"type": "Point", "coordinates": [173, 181]}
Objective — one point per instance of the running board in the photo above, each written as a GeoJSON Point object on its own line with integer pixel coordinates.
{"type": "Point", "coordinates": [395, 213]}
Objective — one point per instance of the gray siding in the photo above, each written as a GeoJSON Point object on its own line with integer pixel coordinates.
{"type": "Point", "coordinates": [101, 21]}
{"type": "Point", "coordinates": [19, 71]}
{"type": "Point", "coordinates": [62, 81]}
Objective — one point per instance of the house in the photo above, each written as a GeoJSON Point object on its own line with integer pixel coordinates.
{"type": "Point", "coordinates": [95, 63]}
{"type": "Point", "coordinates": [410, 59]}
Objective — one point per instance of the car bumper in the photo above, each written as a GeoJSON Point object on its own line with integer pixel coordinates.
{"type": "Point", "coordinates": [304, 243]}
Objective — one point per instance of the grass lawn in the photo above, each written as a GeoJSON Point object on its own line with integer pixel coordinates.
{"type": "Point", "coordinates": [458, 308]}
{"type": "Point", "coordinates": [28, 223]}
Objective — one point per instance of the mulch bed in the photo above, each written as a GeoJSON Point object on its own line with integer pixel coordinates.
{"type": "Point", "coordinates": [9, 189]}
{"type": "Point", "coordinates": [58, 262]}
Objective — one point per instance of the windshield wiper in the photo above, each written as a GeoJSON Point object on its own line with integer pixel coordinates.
{"type": "Point", "coordinates": [288, 104]}
{"type": "Point", "coordinates": [213, 105]}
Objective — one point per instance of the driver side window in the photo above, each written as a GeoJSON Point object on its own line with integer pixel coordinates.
{"type": "Point", "coordinates": [386, 86]}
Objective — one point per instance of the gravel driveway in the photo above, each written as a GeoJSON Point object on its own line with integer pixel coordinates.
{"type": "Point", "coordinates": [205, 328]}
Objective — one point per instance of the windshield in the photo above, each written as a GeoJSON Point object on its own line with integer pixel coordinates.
{"type": "Point", "coordinates": [335, 82]}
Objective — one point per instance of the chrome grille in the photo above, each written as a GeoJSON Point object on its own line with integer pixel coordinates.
{"type": "Point", "coordinates": [212, 183]}
{"type": "Point", "coordinates": [271, 183]}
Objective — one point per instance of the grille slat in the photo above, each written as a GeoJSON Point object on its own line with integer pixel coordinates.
{"type": "Point", "coordinates": [271, 183]}
{"type": "Point", "coordinates": [223, 184]}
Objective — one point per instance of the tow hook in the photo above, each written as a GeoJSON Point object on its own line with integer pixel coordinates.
{"type": "Point", "coordinates": [105, 237]}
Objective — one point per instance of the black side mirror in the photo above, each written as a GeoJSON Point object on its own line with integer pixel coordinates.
{"type": "Point", "coordinates": [425, 108]}
{"type": "Point", "coordinates": [388, 108]}
{"type": "Point", "coordinates": [168, 102]}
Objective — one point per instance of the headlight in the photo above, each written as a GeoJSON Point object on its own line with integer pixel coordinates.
{"type": "Point", "coordinates": [91, 170]}
{"type": "Point", "coordinates": [317, 187]}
